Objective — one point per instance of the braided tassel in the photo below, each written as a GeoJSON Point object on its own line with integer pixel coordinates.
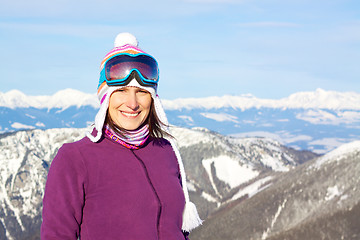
{"type": "Point", "coordinates": [191, 217]}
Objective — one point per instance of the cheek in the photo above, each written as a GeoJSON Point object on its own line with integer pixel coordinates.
{"type": "Point", "coordinates": [147, 103]}
{"type": "Point", "coordinates": [111, 112]}
{"type": "Point", "coordinates": [114, 103]}
{"type": "Point", "coordinates": [115, 100]}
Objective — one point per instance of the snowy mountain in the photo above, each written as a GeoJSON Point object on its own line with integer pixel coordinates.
{"type": "Point", "coordinates": [62, 99]}
{"type": "Point", "coordinates": [308, 100]}
{"type": "Point", "coordinates": [243, 185]}
{"type": "Point", "coordinates": [319, 199]}
{"type": "Point", "coordinates": [220, 170]}
{"type": "Point", "coordinates": [25, 158]}
{"type": "Point", "coordinates": [318, 121]}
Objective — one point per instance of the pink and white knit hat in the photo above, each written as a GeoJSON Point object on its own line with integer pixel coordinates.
{"type": "Point", "coordinates": [127, 43]}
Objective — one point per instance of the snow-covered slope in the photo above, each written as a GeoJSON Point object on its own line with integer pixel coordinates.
{"type": "Point", "coordinates": [217, 167]}
{"type": "Point", "coordinates": [256, 181]}
{"type": "Point", "coordinates": [316, 200]}
{"type": "Point", "coordinates": [24, 162]}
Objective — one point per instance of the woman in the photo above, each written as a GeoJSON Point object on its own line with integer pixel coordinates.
{"type": "Point", "coordinates": [124, 180]}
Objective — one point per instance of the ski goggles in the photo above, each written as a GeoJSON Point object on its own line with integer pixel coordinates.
{"type": "Point", "coordinates": [120, 70]}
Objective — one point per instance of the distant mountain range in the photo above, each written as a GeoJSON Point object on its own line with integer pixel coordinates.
{"type": "Point", "coordinates": [318, 121]}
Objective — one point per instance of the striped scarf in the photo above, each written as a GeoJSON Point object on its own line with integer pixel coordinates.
{"type": "Point", "coordinates": [132, 139]}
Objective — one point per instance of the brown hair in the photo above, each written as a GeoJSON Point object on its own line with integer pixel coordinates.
{"type": "Point", "coordinates": [152, 120]}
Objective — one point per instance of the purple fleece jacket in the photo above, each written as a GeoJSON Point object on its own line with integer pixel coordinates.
{"type": "Point", "coordinates": [106, 191]}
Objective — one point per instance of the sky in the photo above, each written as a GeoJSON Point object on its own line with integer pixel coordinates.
{"type": "Point", "coordinates": [267, 48]}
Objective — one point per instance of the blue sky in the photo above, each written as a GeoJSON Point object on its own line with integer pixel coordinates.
{"type": "Point", "coordinates": [268, 48]}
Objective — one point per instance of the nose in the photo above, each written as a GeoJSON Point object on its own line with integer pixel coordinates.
{"type": "Point", "coordinates": [132, 101]}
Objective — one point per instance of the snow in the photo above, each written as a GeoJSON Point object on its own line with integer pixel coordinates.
{"type": "Point", "coordinates": [220, 117]}
{"type": "Point", "coordinates": [9, 164]}
{"type": "Point", "coordinates": [273, 221]}
{"type": "Point", "coordinates": [253, 188]}
{"type": "Point", "coordinates": [62, 99]}
{"type": "Point", "coordinates": [26, 178]}
{"type": "Point", "coordinates": [337, 154]}
{"type": "Point", "coordinates": [343, 197]}
{"type": "Point", "coordinates": [16, 211]}
{"type": "Point", "coordinates": [191, 186]}
{"type": "Point", "coordinates": [319, 99]}
{"type": "Point", "coordinates": [229, 170]}
{"type": "Point", "coordinates": [274, 164]}
{"type": "Point", "coordinates": [207, 166]}
{"type": "Point", "coordinates": [209, 198]}
{"type": "Point", "coordinates": [332, 192]}
{"type": "Point", "coordinates": [186, 137]}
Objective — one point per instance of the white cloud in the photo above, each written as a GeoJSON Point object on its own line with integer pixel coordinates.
{"type": "Point", "coordinates": [40, 124]}
{"type": "Point", "coordinates": [283, 120]}
{"type": "Point", "coordinates": [187, 119]}
{"type": "Point", "coordinates": [319, 116]}
{"type": "Point", "coordinates": [258, 134]}
{"type": "Point", "coordinates": [21, 126]}
{"type": "Point", "coordinates": [328, 144]}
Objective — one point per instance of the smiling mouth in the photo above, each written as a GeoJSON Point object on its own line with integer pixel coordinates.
{"type": "Point", "coordinates": [130, 114]}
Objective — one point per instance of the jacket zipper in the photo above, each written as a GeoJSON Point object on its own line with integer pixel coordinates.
{"type": "Point", "coordinates": [153, 188]}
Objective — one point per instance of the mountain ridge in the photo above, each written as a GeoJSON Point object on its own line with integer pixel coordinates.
{"type": "Point", "coordinates": [62, 99]}
{"type": "Point", "coordinates": [316, 200]}
{"type": "Point", "coordinates": [213, 164]}
{"type": "Point", "coordinates": [318, 99]}
{"type": "Point", "coordinates": [317, 121]}
{"type": "Point", "coordinates": [250, 188]}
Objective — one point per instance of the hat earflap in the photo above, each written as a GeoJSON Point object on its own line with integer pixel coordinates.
{"type": "Point", "coordinates": [191, 217]}
{"type": "Point", "coordinates": [100, 118]}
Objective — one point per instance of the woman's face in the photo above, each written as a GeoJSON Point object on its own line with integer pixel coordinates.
{"type": "Point", "coordinates": [129, 107]}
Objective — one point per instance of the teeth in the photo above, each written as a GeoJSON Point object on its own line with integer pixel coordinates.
{"type": "Point", "coordinates": [130, 114]}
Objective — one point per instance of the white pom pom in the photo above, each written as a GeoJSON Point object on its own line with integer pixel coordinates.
{"type": "Point", "coordinates": [125, 38]}
{"type": "Point", "coordinates": [191, 217]}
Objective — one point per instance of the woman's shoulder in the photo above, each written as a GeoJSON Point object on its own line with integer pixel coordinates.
{"type": "Point", "coordinates": [83, 142]}
{"type": "Point", "coordinates": [79, 152]}
{"type": "Point", "coordinates": [87, 148]}
{"type": "Point", "coordinates": [160, 142]}
{"type": "Point", "coordinates": [81, 148]}
{"type": "Point", "coordinates": [162, 145]}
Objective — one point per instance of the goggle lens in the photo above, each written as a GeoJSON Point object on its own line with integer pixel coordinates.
{"type": "Point", "coordinates": [121, 66]}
